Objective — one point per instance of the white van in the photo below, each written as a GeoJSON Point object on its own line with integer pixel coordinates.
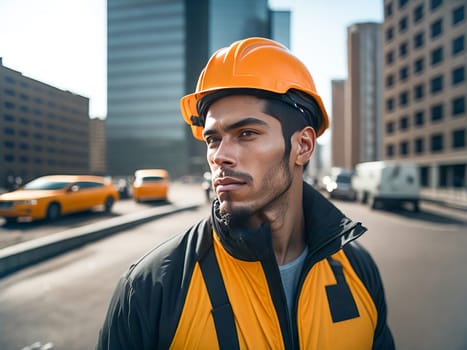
{"type": "Point", "coordinates": [384, 183]}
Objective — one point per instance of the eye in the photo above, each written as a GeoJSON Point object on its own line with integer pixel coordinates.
{"type": "Point", "coordinates": [248, 133]}
{"type": "Point", "coordinates": [211, 140]}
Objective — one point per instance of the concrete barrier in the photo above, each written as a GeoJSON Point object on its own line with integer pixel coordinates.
{"type": "Point", "coordinates": [18, 256]}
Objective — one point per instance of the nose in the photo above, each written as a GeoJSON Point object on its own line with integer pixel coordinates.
{"type": "Point", "coordinates": [223, 154]}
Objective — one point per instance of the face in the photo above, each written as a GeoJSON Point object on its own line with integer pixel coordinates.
{"type": "Point", "coordinates": [245, 151]}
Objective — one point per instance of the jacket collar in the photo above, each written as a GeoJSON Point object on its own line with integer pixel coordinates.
{"type": "Point", "coordinates": [327, 230]}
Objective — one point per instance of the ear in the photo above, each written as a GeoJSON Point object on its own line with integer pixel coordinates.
{"type": "Point", "coordinates": [306, 140]}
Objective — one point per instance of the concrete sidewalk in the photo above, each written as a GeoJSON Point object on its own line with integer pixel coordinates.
{"type": "Point", "coordinates": [18, 256]}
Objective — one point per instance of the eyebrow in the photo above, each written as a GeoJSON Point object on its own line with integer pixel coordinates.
{"type": "Point", "coordinates": [237, 125]}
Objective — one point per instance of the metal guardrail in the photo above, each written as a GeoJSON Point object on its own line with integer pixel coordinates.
{"type": "Point", "coordinates": [16, 257]}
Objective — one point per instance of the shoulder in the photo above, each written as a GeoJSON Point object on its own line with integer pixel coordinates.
{"type": "Point", "coordinates": [173, 254]}
{"type": "Point", "coordinates": [365, 267]}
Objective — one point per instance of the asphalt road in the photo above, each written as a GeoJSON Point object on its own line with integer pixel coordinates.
{"type": "Point", "coordinates": [60, 303]}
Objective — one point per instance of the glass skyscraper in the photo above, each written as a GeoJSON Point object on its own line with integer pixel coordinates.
{"type": "Point", "coordinates": [156, 50]}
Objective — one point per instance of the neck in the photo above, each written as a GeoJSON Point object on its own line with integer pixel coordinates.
{"type": "Point", "coordinates": [288, 225]}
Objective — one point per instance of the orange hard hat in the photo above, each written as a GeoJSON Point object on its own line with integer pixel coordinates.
{"type": "Point", "coordinates": [255, 63]}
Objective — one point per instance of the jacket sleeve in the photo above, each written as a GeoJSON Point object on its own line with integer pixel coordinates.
{"type": "Point", "coordinates": [126, 325]}
{"type": "Point", "coordinates": [368, 272]}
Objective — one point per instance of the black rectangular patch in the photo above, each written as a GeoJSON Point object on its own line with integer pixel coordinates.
{"type": "Point", "coordinates": [341, 303]}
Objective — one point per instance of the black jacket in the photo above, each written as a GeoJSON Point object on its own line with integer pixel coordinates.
{"type": "Point", "coordinates": [162, 301]}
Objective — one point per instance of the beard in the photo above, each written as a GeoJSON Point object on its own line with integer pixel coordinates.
{"type": "Point", "coordinates": [275, 183]}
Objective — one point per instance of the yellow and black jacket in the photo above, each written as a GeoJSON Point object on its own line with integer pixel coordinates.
{"type": "Point", "coordinates": [163, 301]}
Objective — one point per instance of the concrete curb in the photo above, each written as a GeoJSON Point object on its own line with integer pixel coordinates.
{"type": "Point", "coordinates": [24, 254]}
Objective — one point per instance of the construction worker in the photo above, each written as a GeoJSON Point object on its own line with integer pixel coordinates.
{"type": "Point", "coordinates": [276, 265]}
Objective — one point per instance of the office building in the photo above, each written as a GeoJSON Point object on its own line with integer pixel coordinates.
{"type": "Point", "coordinates": [156, 50]}
{"type": "Point", "coordinates": [43, 130]}
{"type": "Point", "coordinates": [363, 93]}
{"type": "Point", "coordinates": [338, 124]}
{"type": "Point", "coordinates": [425, 91]}
{"type": "Point", "coordinates": [97, 147]}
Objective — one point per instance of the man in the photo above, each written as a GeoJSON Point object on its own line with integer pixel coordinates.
{"type": "Point", "coordinates": [276, 265]}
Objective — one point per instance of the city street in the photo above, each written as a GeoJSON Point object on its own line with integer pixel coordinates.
{"type": "Point", "coordinates": [179, 193]}
{"type": "Point", "coordinates": [60, 303]}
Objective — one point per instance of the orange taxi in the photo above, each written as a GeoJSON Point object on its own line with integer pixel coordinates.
{"type": "Point", "coordinates": [49, 197]}
{"type": "Point", "coordinates": [150, 185]}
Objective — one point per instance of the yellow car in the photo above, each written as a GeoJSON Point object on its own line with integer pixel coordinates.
{"type": "Point", "coordinates": [151, 184]}
{"type": "Point", "coordinates": [49, 197]}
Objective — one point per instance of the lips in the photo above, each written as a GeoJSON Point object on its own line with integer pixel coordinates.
{"type": "Point", "coordinates": [226, 184]}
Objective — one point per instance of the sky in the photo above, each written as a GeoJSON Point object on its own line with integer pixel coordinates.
{"type": "Point", "coordinates": [63, 42]}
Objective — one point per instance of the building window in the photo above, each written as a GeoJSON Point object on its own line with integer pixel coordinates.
{"type": "Point", "coordinates": [458, 106]}
{"type": "Point", "coordinates": [419, 118]}
{"type": "Point", "coordinates": [389, 151]}
{"type": "Point", "coordinates": [436, 143]}
{"type": "Point", "coordinates": [403, 148]}
{"type": "Point", "coordinates": [419, 40]}
{"type": "Point", "coordinates": [419, 65]}
{"type": "Point", "coordinates": [10, 80]}
{"type": "Point", "coordinates": [8, 118]}
{"type": "Point", "coordinates": [443, 176]}
{"type": "Point", "coordinates": [403, 23]}
{"type": "Point", "coordinates": [24, 121]}
{"type": "Point", "coordinates": [402, 3]}
{"type": "Point", "coordinates": [390, 57]}
{"type": "Point", "coordinates": [390, 80]}
{"type": "Point", "coordinates": [458, 171]}
{"type": "Point", "coordinates": [404, 123]}
{"type": "Point", "coordinates": [9, 144]}
{"type": "Point", "coordinates": [458, 15]}
{"type": "Point", "coordinates": [9, 92]}
{"type": "Point", "coordinates": [419, 145]}
{"type": "Point", "coordinates": [452, 175]}
{"type": "Point", "coordinates": [390, 128]}
{"type": "Point", "coordinates": [418, 13]}
{"type": "Point", "coordinates": [419, 91]}
{"type": "Point", "coordinates": [404, 73]}
{"type": "Point", "coordinates": [458, 139]}
{"type": "Point", "coordinates": [425, 176]}
{"type": "Point", "coordinates": [403, 98]}
{"type": "Point", "coordinates": [435, 4]}
{"type": "Point", "coordinates": [389, 34]}
{"type": "Point", "coordinates": [9, 105]}
{"type": "Point", "coordinates": [403, 49]}
{"type": "Point", "coordinates": [436, 56]}
{"type": "Point", "coordinates": [458, 75]}
{"type": "Point", "coordinates": [436, 28]}
{"type": "Point", "coordinates": [437, 112]}
{"type": "Point", "coordinates": [9, 158]}
{"type": "Point", "coordinates": [437, 84]}
{"type": "Point", "coordinates": [8, 131]}
{"type": "Point", "coordinates": [388, 9]}
{"type": "Point", "coordinates": [390, 104]}
{"type": "Point", "coordinates": [458, 45]}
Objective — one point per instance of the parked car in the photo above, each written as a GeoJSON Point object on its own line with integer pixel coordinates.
{"type": "Point", "coordinates": [387, 183]}
{"type": "Point", "coordinates": [340, 186]}
{"type": "Point", "coordinates": [151, 185]}
{"type": "Point", "coordinates": [49, 197]}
